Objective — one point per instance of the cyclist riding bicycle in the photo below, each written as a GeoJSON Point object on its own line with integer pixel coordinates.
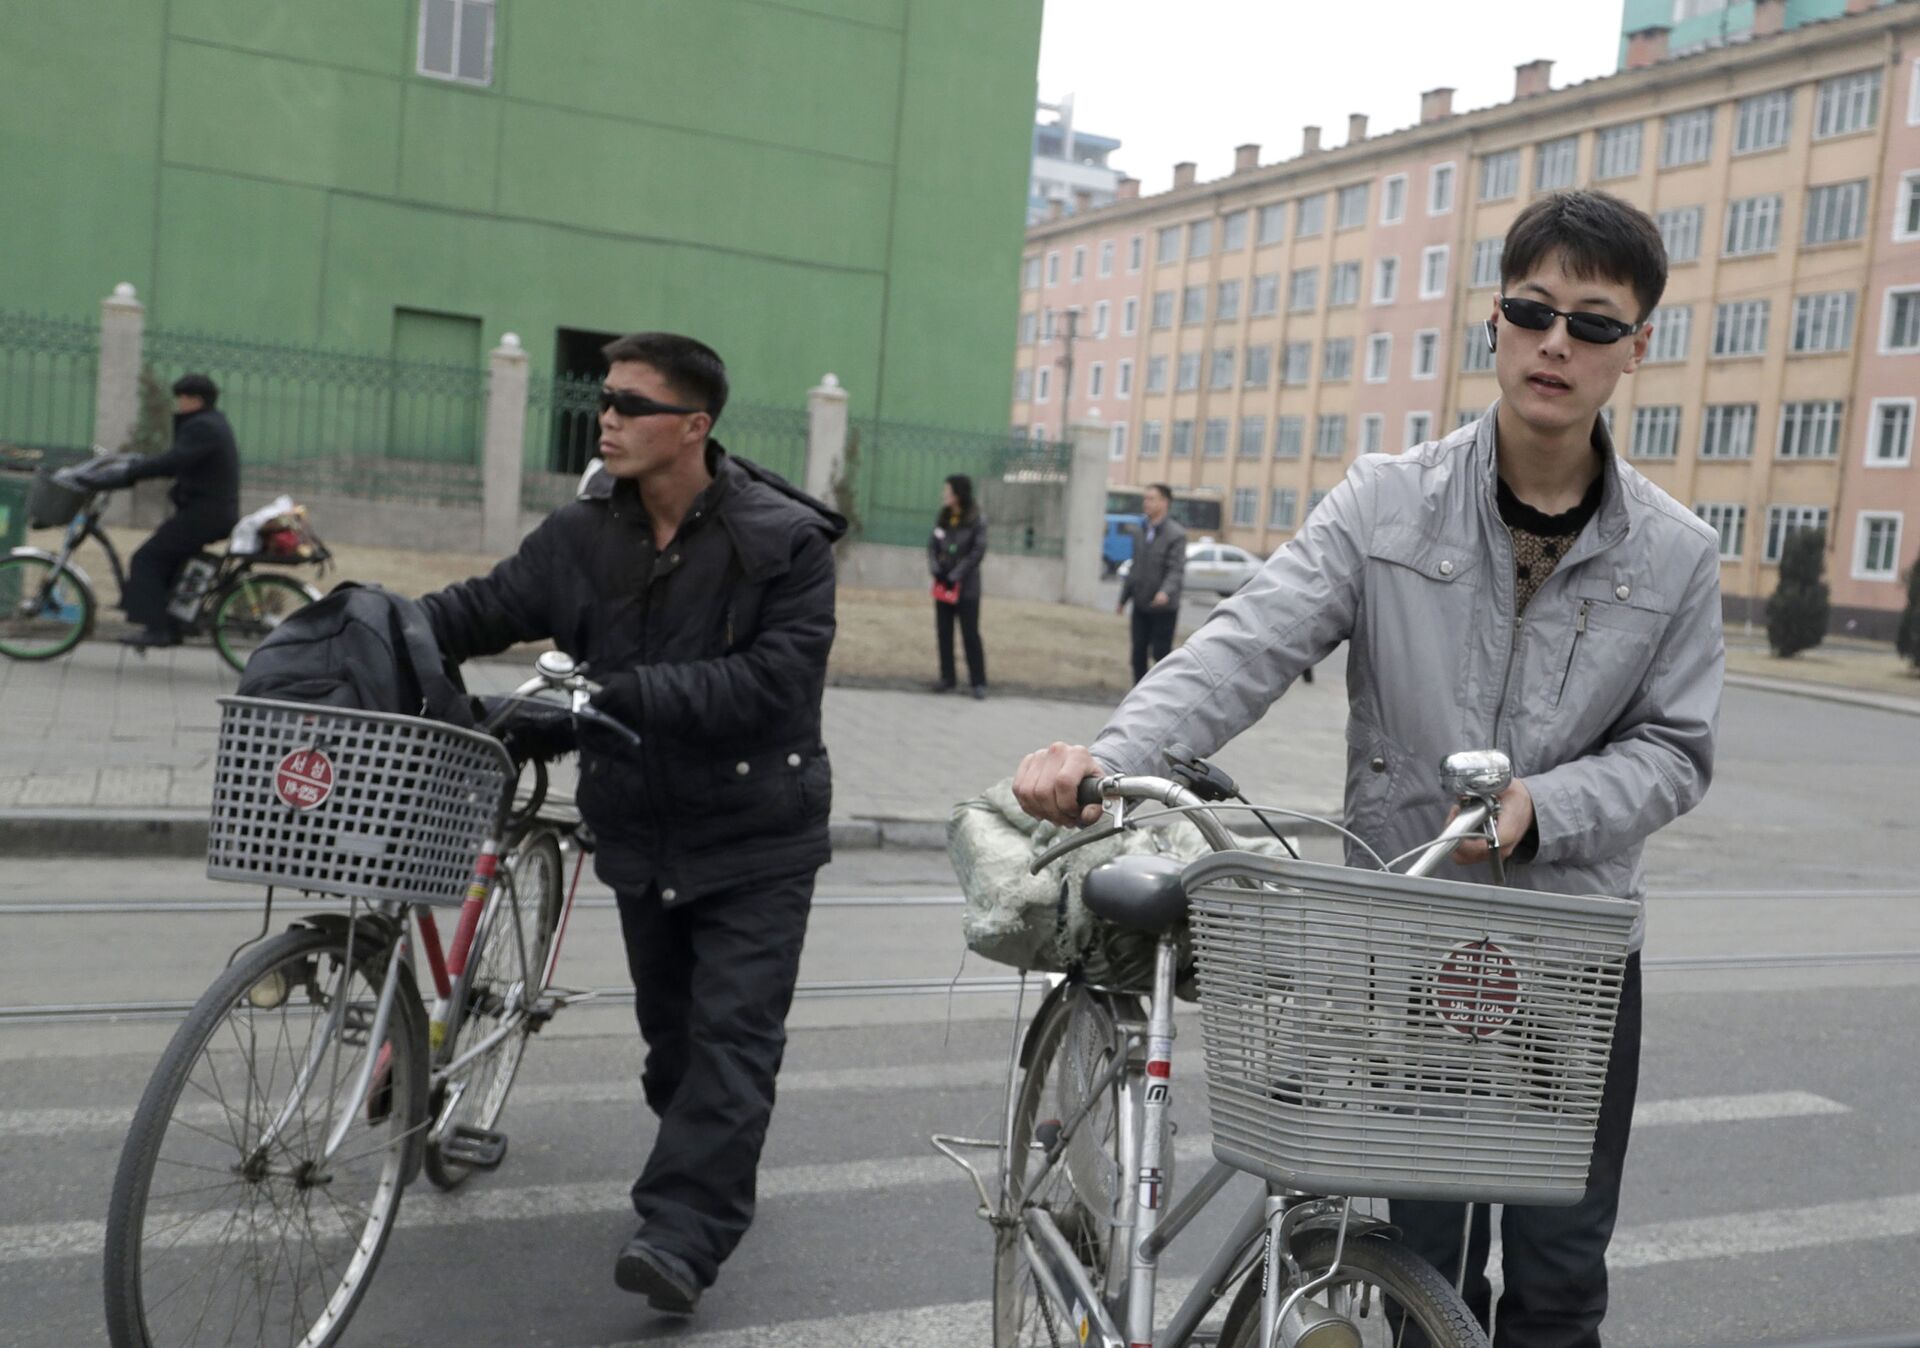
{"type": "Point", "coordinates": [1600, 678]}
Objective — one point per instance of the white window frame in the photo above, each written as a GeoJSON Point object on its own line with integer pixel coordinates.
{"type": "Point", "coordinates": [1053, 269]}
{"type": "Point", "coordinates": [1562, 152]}
{"type": "Point", "coordinates": [1222, 367]}
{"type": "Point", "coordinates": [1862, 527]}
{"type": "Point", "coordinates": [1200, 238]}
{"type": "Point", "coordinates": [1388, 185]}
{"type": "Point", "coordinates": [1451, 178]}
{"type": "Point", "coordinates": [1907, 206]}
{"type": "Point", "coordinates": [1345, 194]}
{"type": "Point", "coordinates": [453, 75]}
{"type": "Point", "coordinates": [1666, 321]}
{"type": "Point", "coordinates": [1324, 422]}
{"type": "Point", "coordinates": [1606, 147]}
{"type": "Point", "coordinates": [1887, 306]}
{"type": "Point", "coordinates": [1283, 507]}
{"type": "Point", "coordinates": [1486, 263]}
{"type": "Point", "coordinates": [1783, 521]}
{"type": "Point", "coordinates": [1373, 433]}
{"type": "Point", "coordinates": [1270, 281]}
{"type": "Point", "coordinates": [1753, 225]}
{"type": "Point", "coordinates": [1123, 379]}
{"type": "Point", "coordinates": [1419, 429]}
{"type": "Point", "coordinates": [1129, 315]}
{"type": "Point", "coordinates": [1336, 360]}
{"type": "Point", "coordinates": [1264, 237]}
{"type": "Point", "coordinates": [1426, 340]}
{"type": "Point", "coordinates": [1843, 90]}
{"type": "Point", "coordinates": [1193, 305]}
{"type": "Point", "coordinates": [1157, 373]}
{"type": "Point", "coordinates": [1509, 161]}
{"type": "Point", "coordinates": [1386, 279]}
{"type": "Point", "coordinates": [1809, 423]}
{"type": "Point", "coordinates": [1312, 302]}
{"type": "Point", "coordinates": [1782, 98]}
{"type": "Point", "coordinates": [1475, 358]}
{"type": "Point", "coordinates": [1233, 231]}
{"type": "Point", "coordinates": [1913, 94]}
{"type": "Point", "coordinates": [1117, 441]}
{"type": "Point", "coordinates": [1265, 370]}
{"type": "Point", "coordinates": [1428, 255]}
{"type": "Point", "coordinates": [1671, 145]}
{"type": "Point", "coordinates": [1166, 245]}
{"type": "Point", "coordinates": [1250, 498]}
{"type": "Point", "coordinates": [1079, 272]}
{"type": "Point", "coordinates": [1226, 301]}
{"type": "Point", "coordinates": [1656, 420]}
{"type": "Point", "coordinates": [1304, 350]}
{"type": "Point", "coordinates": [1096, 380]}
{"type": "Point", "coordinates": [1030, 272]}
{"type": "Point", "coordinates": [1023, 384]}
{"type": "Point", "coordinates": [1301, 229]}
{"type": "Point", "coordinates": [1180, 439]}
{"type": "Point", "coordinates": [1879, 406]}
{"type": "Point", "coordinates": [1668, 222]}
{"type": "Point", "coordinates": [1136, 254]}
{"type": "Point", "coordinates": [1831, 204]}
{"type": "Point", "coordinates": [1379, 357]}
{"type": "Point", "coordinates": [1727, 431]}
{"type": "Point", "coordinates": [1102, 313]}
{"type": "Point", "coordinates": [1259, 441]}
{"type": "Point", "coordinates": [1216, 434]}
{"type": "Point", "coordinates": [1757, 314]}
{"type": "Point", "coordinates": [1152, 437]}
{"type": "Point", "coordinates": [1351, 273]}
{"type": "Point", "coordinates": [1106, 258]}
{"type": "Point", "coordinates": [1289, 446]}
{"type": "Point", "coordinates": [1718, 515]}
{"type": "Point", "coordinates": [1186, 372]}
{"type": "Point", "coordinates": [1816, 313]}
{"type": "Point", "coordinates": [1043, 384]}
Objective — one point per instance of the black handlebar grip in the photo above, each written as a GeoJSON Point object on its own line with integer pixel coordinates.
{"type": "Point", "coordinates": [1089, 792]}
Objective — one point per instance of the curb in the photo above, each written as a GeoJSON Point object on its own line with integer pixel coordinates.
{"type": "Point", "coordinates": [1896, 703]}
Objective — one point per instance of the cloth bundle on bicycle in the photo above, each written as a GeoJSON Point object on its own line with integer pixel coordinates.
{"type": "Point", "coordinates": [362, 647]}
{"type": "Point", "coordinates": [278, 532]}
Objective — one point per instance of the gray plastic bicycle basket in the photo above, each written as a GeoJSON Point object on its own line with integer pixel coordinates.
{"type": "Point", "coordinates": [1374, 1035]}
{"type": "Point", "coordinates": [359, 803]}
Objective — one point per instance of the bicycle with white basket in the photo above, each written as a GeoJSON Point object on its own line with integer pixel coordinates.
{"type": "Point", "coordinates": [312, 1081]}
{"type": "Point", "coordinates": [1367, 1034]}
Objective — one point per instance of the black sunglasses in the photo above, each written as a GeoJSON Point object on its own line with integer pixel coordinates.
{"type": "Point", "coordinates": [1537, 317]}
{"type": "Point", "coordinates": [638, 404]}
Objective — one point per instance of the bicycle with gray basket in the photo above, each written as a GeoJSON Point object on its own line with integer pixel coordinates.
{"type": "Point", "coordinates": [1366, 1034]}
{"type": "Point", "coordinates": [313, 1081]}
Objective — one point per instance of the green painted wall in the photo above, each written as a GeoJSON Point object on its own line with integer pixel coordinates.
{"type": "Point", "coordinates": [1731, 23]}
{"type": "Point", "coordinates": [810, 185]}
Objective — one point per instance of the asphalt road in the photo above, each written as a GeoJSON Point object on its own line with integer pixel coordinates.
{"type": "Point", "coordinates": [1773, 1191]}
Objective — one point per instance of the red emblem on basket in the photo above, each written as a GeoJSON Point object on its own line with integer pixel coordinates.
{"type": "Point", "coordinates": [1477, 989]}
{"type": "Point", "coordinates": [304, 778]}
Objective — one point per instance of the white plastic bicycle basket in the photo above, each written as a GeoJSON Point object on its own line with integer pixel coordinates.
{"type": "Point", "coordinates": [1376, 1035]}
{"type": "Point", "coordinates": [358, 803]}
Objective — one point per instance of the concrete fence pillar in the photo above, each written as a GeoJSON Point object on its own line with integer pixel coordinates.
{"type": "Point", "coordinates": [1086, 511]}
{"type": "Point", "coordinates": [826, 436]}
{"type": "Point", "coordinates": [116, 394]}
{"type": "Point", "coordinates": [503, 448]}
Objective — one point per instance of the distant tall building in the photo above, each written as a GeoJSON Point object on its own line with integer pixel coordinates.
{"type": "Point", "coordinates": [1069, 166]}
{"type": "Point", "coordinates": [1696, 25]}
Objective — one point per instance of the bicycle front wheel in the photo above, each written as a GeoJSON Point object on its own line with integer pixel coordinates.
{"type": "Point", "coordinates": [250, 609]}
{"type": "Point", "coordinates": [228, 1222]}
{"type": "Point", "coordinates": [1388, 1295]}
{"type": "Point", "coordinates": [44, 610]}
{"type": "Point", "coordinates": [1073, 1044]}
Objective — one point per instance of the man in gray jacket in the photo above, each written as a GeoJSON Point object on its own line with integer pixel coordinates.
{"type": "Point", "coordinates": [1154, 580]}
{"type": "Point", "coordinates": [1515, 585]}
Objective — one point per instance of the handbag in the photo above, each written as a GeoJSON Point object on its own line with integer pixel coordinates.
{"type": "Point", "coordinates": [945, 592]}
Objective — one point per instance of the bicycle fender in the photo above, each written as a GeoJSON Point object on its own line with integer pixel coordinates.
{"type": "Point", "coordinates": [53, 559]}
{"type": "Point", "coordinates": [1357, 1226]}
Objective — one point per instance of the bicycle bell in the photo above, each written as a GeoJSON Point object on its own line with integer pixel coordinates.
{"type": "Point", "coordinates": [1474, 772]}
{"type": "Point", "coordinates": [555, 665]}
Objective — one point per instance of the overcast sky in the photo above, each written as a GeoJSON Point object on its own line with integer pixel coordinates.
{"type": "Point", "coordinates": [1191, 79]}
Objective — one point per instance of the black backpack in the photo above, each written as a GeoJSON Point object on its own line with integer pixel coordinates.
{"type": "Point", "coordinates": [361, 647]}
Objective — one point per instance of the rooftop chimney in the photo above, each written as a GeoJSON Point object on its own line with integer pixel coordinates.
{"type": "Point", "coordinates": [1183, 174]}
{"type": "Point", "coordinates": [1860, 6]}
{"type": "Point", "coordinates": [1356, 127]}
{"type": "Point", "coordinates": [1056, 208]}
{"type": "Point", "coordinates": [1435, 104]}
{"type": "Point", "coordinates": [1309, 140]}
{"type": "Point", "coordinates": [1246, 158]}
{"type": "Point", "coordinates": [1769, 17]}
{"type": "Point", "coordinates": [1535, 77]}
{"type": "Point", "coordinates": [1128, 189]}
{"type": "Point", "coordinates": [1082, 200]}
{"type": "Point", "coordinates": [1647, 47]}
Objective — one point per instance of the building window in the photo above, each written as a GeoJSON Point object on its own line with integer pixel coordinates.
{"type": "Point", "coordinates": [1433, 271]}
{"type": "Point", "coordinates": [1672, 327]}
{"type": "Point", "coordinates": [1680, 232]}
{"type": "Point", "coordinates": [1183, 440]}
{"type": "Point", "coordinates": [1379, 357]}
{"type": "Point", "coordinates": [1314, 498]}
{"type": "Point", "coordinates": [1486, 262]}
{"type": "Point", "coordinates": [1023, 386]}
{"type": "Point", "coordinates": [1476, 357]}
{"type": "Point", "coordinates": [1836, 213]}
{"type": "Point", "coordinates": [1330, 436]}
{"type": "Point", "coordinates": [1029, 328]}
{"type": "Point", "coordinates": [1753, 226]}
{"type": "Point", "coordinates": [1193, 305]}
{"type": "Point", "coordinates": [1149, 439]}
{"type": "Point", "coordinates": [1117, 441]}
{"type": "Point", "coordinates": [1419, 428]}
{"type": "Point", "coordinates": [1233, 232]}
{"type": "Point", "coordinates": [1466, 416]}
{"type": "Point", "coordinates": [1656, 432]}
{"type": "Point", "coordinates": [1156, 374]}
{"type": "Point", "coordinates": [1740, 328]}
{"type": "Point", "coordinates": [1283, 503]}
{"type": "Point", "coordinates": [1226, 303]}
{"type": "Point", "coordinates": [1106, 258]}
{"type": "Point", "coordinates": [1373, 433]}
{"type": "Point", "coordinates": [1783, 520]}
{"type": "Point", "coordinates": [1162, 309]}
{"type": "Point", "coordinates": [1762, 122]}
{"type": "Point", "coordinates": [1296, 363]}
{"type": "Point", "coordinates": [1440, 189]}
{"type": "Point", "coordinates": [1096, 379]}
{"type": "Point", "coordinates": [1686, 138]}
{"type": "Point", "coordinates": [1822, 322]}
{"type": "Point", "coordinates": [1253, 438]}
{"type": "Point", "coordinates": [1259, 366]}
{"type": "Point", "coordinates": [1728, 431]}
{"type": "Point", "coordinates": [1030, 274]}
{"type": "Point", "coordinates": [1426, 354]}
{"type": "Point", "coordinates": [1694, 9]}
{"type": "Point", "coordinates": [1554, 163]}
{"type": "Point", "coordinates": [1386, 280]}
{"type": "Point", "coordinates": [456, 40]}
{"type": "Point", "coordinates": [1080, 263]}
{"type": "Point", "coordinates": [1393, 199]}
{"type": "Point", "coordinates": [1350, 208]}
{"type": "Point", "coordinates": [1043, 384]}
{"type": "Point", "coordinates": [1729, 521]}
{"type": "Point", "coordinates": [1890, 433]}
{"type": "Point", "coordinates": [1876, 546]}
{"type": "Point", "coordinates": [1289, 433]}
{"type": "Point", "coordinates": [1913, 95]}
{"type": "Point", "coordinates": [1046, 325]}
{"type": "Point", "coordinates": [1906, 218]}
{"type": "Point", "coordinates": [1200, 238]}
{"type": "Point", "coordinates": [1129, 316]}
{"type": "Point", "coordinates": [1273, 224]}
{"type": "Point", "coordinates": [1266, 295]}
{"type": "Point", "coordinates": [1245, 501]}
{"type": "Point", "coordinates": [1846, 103]}
{"type": "Point", "coordinates": [1617, 152]}
{"type": "Point", "coordinates": [1189, 372]}
{"type": "Point", "coordinates": [1136, 250]}
{"type": "Point", "coordinates": [1900, 324]}
{"type": "Point", "coordinates": [1123, 380]}
{"type": "Point", "coordinates": [1499, 175]}
{"type": "Point", "coordinates": [1343, 285]}
{"type": "Point", "coordinates": [1166, 249]}
{"type": "Point", "coordinates": [1303, 290]}
{"type": "Point", "coordinates": [1338, 362]}
{"type": "Point", "coordinates": [1214, 438]}
{"type": "Point", "coordinates": [1810, 430]}
{"type": "Point", "coordinates": [1220, 371]}
{"type": "Point", "coordinates": [1053, 269]}
{"type": "Point", "coordinates": [1310, 216]}
{"type": "Point", "coordinates": [1102, 311]}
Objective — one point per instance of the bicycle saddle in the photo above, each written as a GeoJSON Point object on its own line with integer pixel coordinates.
{"type": "Point", "coordinates": [1140, 893]}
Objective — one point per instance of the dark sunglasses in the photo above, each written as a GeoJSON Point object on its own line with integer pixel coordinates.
{"type": "Point", "coordinates": [1537, 317]}
{"type": "Point", "coordinates": [638, 404]}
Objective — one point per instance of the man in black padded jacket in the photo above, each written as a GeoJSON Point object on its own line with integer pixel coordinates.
{"type": "Point", "coordinates": [204, 463]}
{"type": "Point", "coordinates": [699, 590]}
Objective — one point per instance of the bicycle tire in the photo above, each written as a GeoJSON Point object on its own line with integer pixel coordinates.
{"type": "Point", "coordinates": [38, 598]}
{"type": "Point", "coordinates": [1069, 1044]}
{"type": "Point", "coordinates": [1388, 1278]}
{"type": "Point", "coordinates": [161, 1268]}
{"type": "Point", "coordinates": [534, 896]}
{"type": "Point", "coordinates": [249, 609]}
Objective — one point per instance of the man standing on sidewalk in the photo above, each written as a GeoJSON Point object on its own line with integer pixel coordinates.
{"type": "Point", "coordinates": [1153, 582]}
{"type": "Point", "coordinates": [698, 589]}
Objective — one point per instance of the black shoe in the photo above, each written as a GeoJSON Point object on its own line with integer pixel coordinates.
{"type": "Point", "coordinates": [664, 1279]}
{"type": "Point", "coordinates": [148, 637]}
{"type": "Point", "coordinates": [979, 692]}
{"type": "Point", "coordinates": [940, 687]}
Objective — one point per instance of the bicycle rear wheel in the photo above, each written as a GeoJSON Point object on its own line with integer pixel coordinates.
{"type": "Point", "coordinates": [519, 922]}
{"type": "Point", "coordinates": [219, 1232]}
{"type": "Point", "coordinates": [1073, 1043]}
{"type": "Point", "coordinates": [1387, 1295]}
{"type": "Point", "coordinates": [44, 612]}
{"type": "Point", "coordinates": [250, 609]}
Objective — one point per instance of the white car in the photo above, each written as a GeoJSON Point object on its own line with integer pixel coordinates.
{"type": "Point", "coordinates": [1219, 567]}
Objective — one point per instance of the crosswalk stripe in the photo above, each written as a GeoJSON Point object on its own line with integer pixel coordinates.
{"type": "Point", "coordinates": [1734, 1108]}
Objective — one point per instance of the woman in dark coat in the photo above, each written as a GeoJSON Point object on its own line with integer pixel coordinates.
{"type": "Point", "coordinates": [954, 552]}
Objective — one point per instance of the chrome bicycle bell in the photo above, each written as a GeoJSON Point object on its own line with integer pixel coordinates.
{"type": "Point", "coordinates": [1474, 772]}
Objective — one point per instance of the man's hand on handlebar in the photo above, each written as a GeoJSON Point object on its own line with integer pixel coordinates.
{"type": "Point", "coordinates": [1516, 817]}
{"type": "Point", "coordinates": [1047, 784]}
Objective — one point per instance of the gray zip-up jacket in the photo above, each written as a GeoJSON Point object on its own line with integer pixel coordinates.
{"type": "Point", "coordinates": [1605, 692]}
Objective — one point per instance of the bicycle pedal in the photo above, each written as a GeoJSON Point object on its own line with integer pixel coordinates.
{"type": "Point", "coordinates": [481, 1148]}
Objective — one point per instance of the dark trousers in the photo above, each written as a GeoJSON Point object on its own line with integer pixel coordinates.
{"type": "Point", "coordinates": [967, 611]}
{"type": "Point", "coordinates": [1152, 637]}
{"type": "Point", "coordinates": [713, 979]}
{"type": "Point", "coordinates": [155, 563]}
{"type": "Point", "coordinates": [1555, 1259]}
